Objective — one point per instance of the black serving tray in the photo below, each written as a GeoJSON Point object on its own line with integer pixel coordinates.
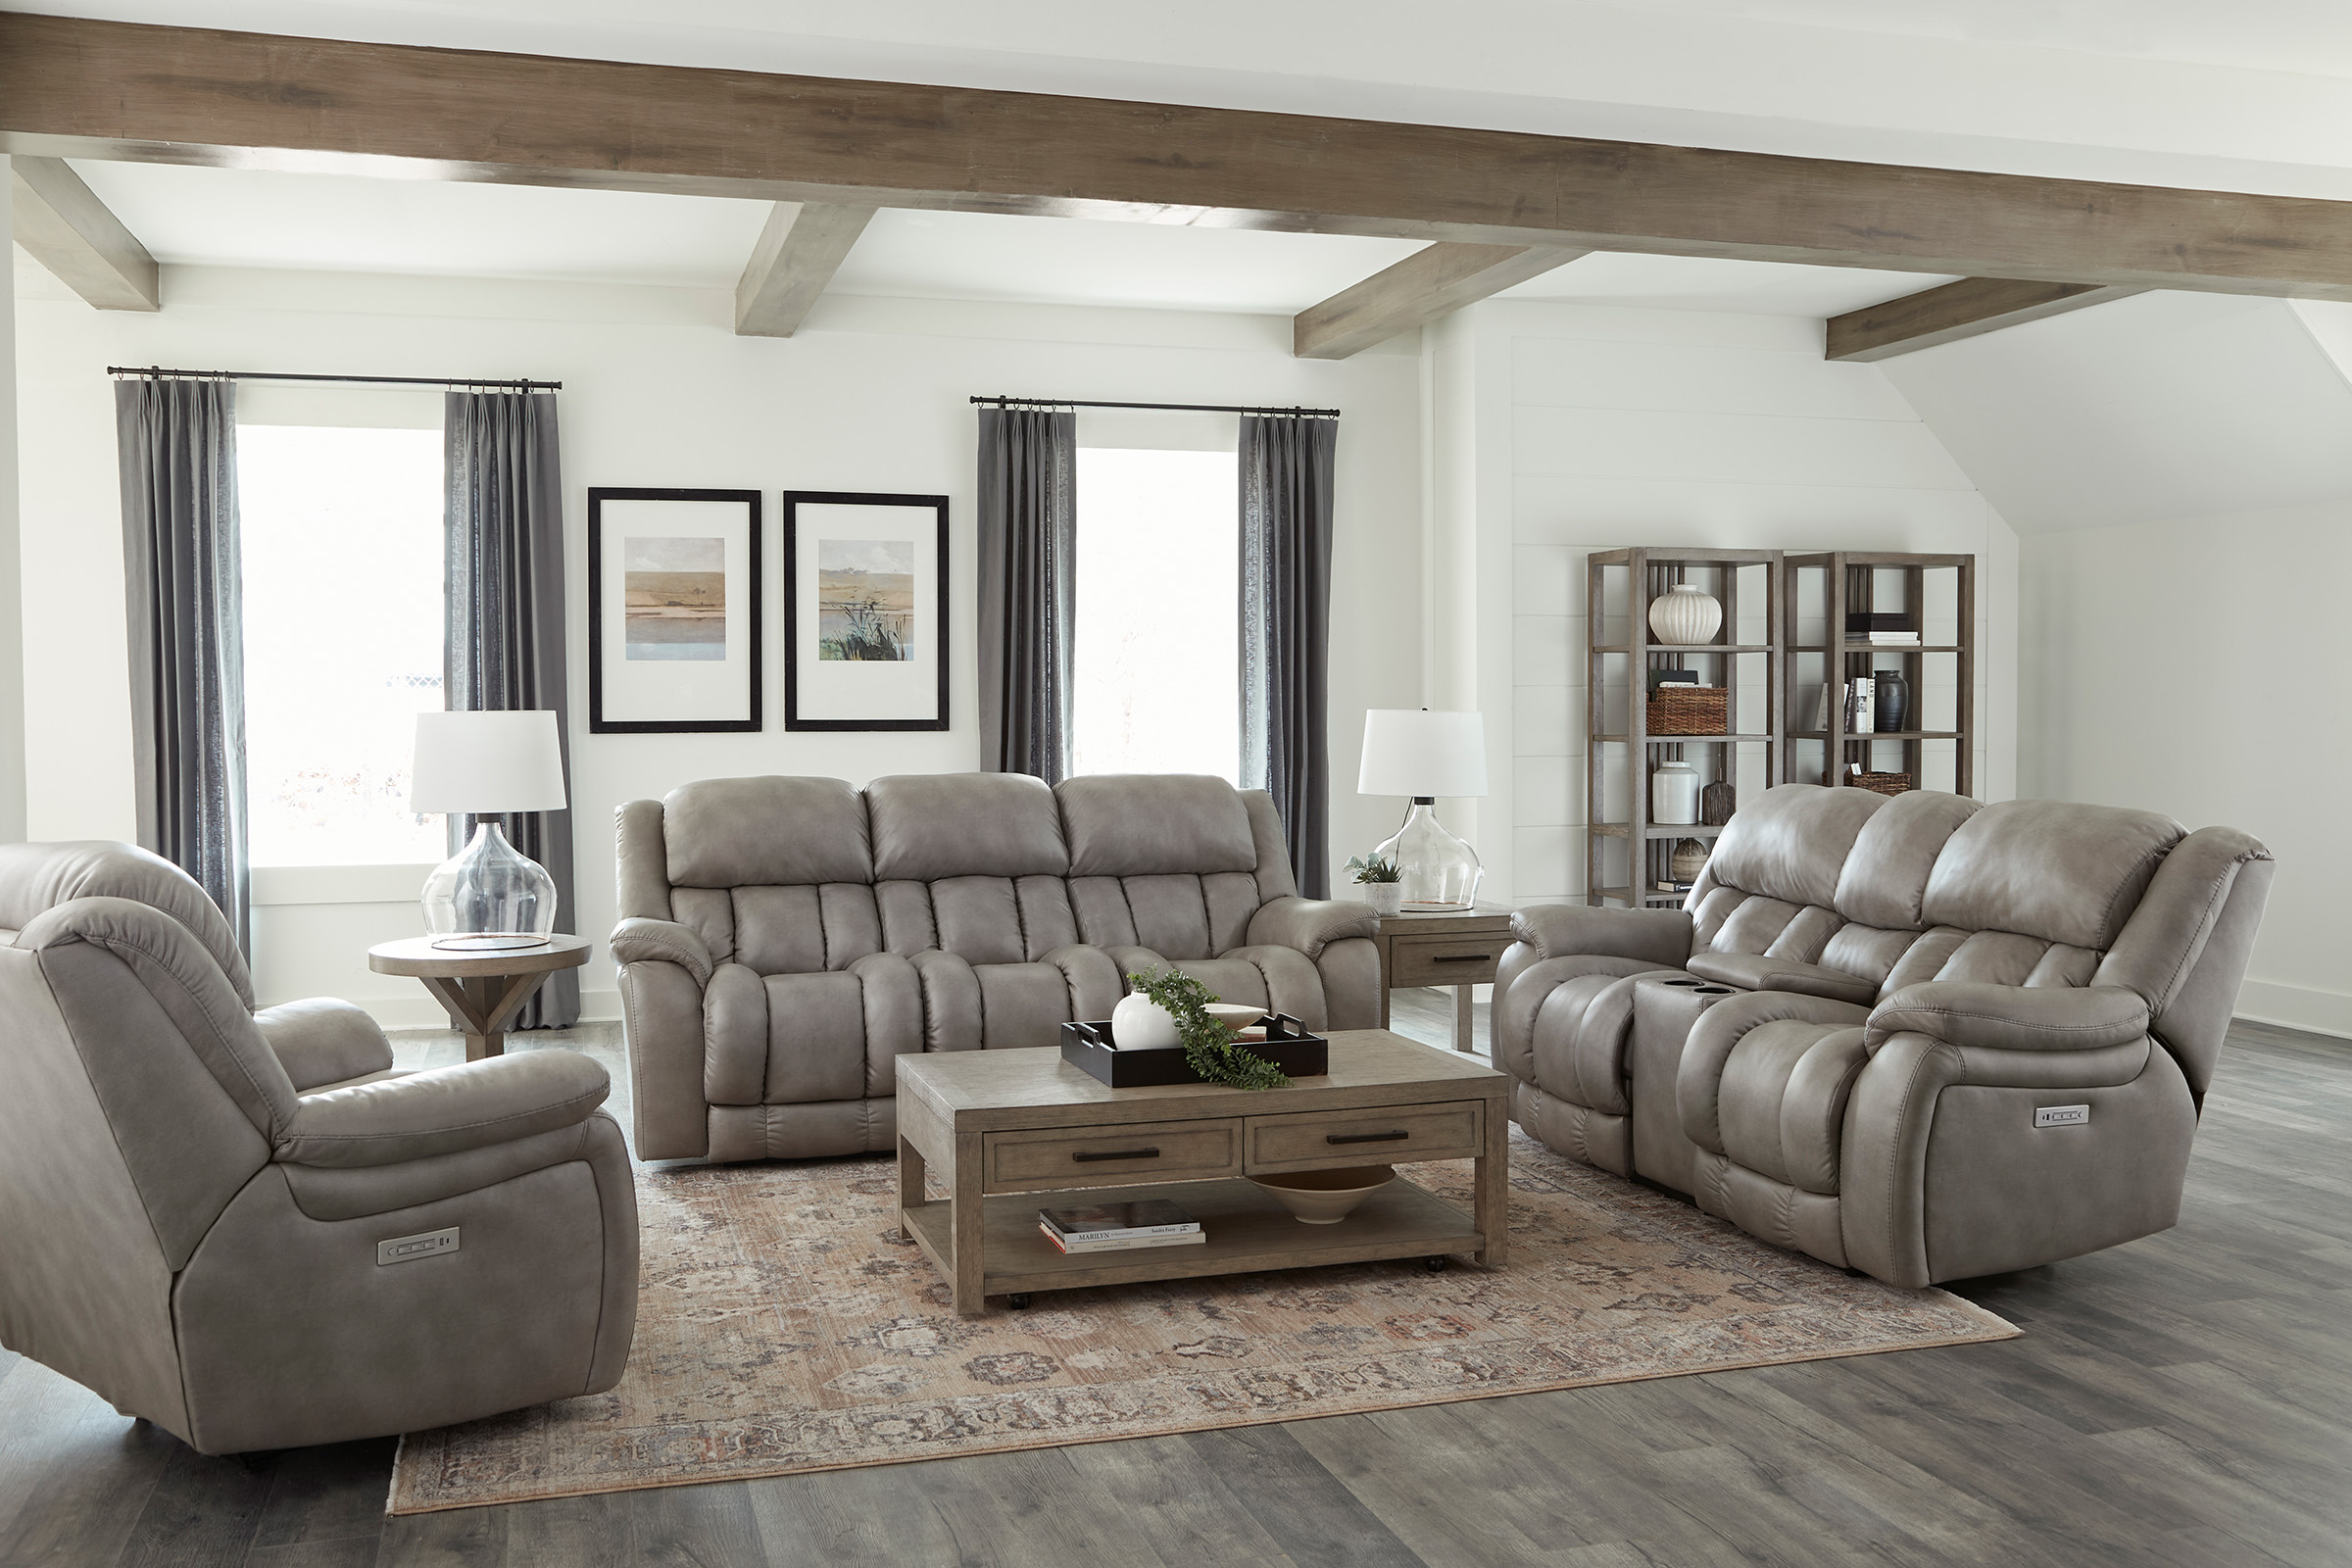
{"type": "Point", "coordinates": [1288, 1045]}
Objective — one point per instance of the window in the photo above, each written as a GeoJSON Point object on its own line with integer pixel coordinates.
{"type": "Point", "coordinates": [1157, 687]}
{"type": "Point", "coordinates": [342, 544]}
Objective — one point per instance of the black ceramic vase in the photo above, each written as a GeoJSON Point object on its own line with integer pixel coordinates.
{"type": "Point", "coordinates": [1893, 695]}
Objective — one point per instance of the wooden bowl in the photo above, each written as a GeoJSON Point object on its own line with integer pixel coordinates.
{"type": "Point", "coordinates": [1325, 1197]}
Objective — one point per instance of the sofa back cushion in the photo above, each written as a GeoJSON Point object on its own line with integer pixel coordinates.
{"type": "Point", "coordinates": [929, 827]}
{"type": "Point", "coordinates": [735, 832]}
{"type": "Point", "coordinates": [2061, 871]}
{"type": "Point", "coordinates": [1161, 860]}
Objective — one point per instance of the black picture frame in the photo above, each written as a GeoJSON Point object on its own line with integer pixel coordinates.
{"type": "Point", "coordinates": [598, 725]}
{"type": "Point", "coordinates": [793, 501]}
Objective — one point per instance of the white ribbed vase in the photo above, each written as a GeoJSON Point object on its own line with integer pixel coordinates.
{"type": "Point", "coordinates": [1685, 615]}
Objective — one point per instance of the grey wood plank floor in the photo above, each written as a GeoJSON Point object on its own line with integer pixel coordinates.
{"type": "Point", "coordinates": [2183, 1401]}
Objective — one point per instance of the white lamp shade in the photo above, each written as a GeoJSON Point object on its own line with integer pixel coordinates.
{"type": "Point", "coordinates": [1412, 750]}
{"type": "Point", "coordinates": [483, 763]}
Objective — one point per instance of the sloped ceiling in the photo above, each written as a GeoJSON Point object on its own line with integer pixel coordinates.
{"type": "Point", "coordinates": [2159, 406]}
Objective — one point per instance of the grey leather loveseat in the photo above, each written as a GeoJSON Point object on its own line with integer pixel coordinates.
{"type": "Point", "coordinates": [195, 1196]}
{"type": "Point", "coordinates": [783, 940]}
{"type": "Point", "coordinates": [1915, 1036]}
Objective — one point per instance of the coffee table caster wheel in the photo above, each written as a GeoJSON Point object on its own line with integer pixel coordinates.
{"type": "Point", "coordinates": [1019, 1303]}
{"type": "Point", "coordinates": [1436, 1265]}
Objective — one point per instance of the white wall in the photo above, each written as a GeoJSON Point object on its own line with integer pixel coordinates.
{"type": "Point", "coordinates": [871, 395]}
{"type": "Point", "coordinates": [1563, 429]}
{"type": "Point", "coordinates": [12, 643]}
{"type": "Point", "coordinates": [2196, 668]}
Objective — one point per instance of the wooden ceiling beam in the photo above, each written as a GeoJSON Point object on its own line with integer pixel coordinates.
{"type": "Point", "coordinates": [62, 225]}
{"type": "Point", "coordinates": [799, 251]}
{"type": "Point", "coordinates": [1967, 309]}
{"type": "Point", "coordinates": [1434, 281]}
{"type": "Point", "coordinates": [76, 87]}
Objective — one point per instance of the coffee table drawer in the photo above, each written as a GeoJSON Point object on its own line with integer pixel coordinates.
{"type": "Point", "coordinates": [1380, 1136]}
{"type": "Point", "coordinates": [1046, 1158]}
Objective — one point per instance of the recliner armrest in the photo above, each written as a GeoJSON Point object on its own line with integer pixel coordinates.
{"type": "Point", "coordinates": [444, 1110]}
{"type": "Point", "coordinates": [324, 1041]}
{"type": "Point", "coordinates": [1969, 1012]}
{"type": "Point", "coordinates": [1660, 937]}
{"type": "Point", "coordinates": [1309, 925]}
{"type": "Point", "coordinates": [639, 940]}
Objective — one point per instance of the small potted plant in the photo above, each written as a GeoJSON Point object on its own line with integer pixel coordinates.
{"type": "Point", "coordinates": [1382, 882]}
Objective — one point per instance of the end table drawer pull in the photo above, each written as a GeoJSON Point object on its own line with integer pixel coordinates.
{"type": "Point", "coordinates": [1460, 957]}
{"type": "Point", "coordinates": [1083, 1155]}
{"type": "Point", "coordinates": [1396, 1136]}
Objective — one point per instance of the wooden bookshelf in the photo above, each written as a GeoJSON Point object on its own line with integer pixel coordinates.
{"type": "Point", "coordinates": [1858, 581]}
{"type": "Point", "coordinates": [1626, 859]}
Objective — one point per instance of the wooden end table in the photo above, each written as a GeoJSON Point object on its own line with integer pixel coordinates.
{"type": "Point", "coordinates": [483, 991]}
{"type": "Point", "coordinates": [1009, 1129]}
{"type": "Point", "coordinates": [1457, 948]}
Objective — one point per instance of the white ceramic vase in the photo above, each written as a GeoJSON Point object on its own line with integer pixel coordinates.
{"type": "Point", "coordinates": [1138, 1023]}
{"type": "Point", "coordinates": [1384, 897]}
{"type": "Point", "coordinates": [1674, 793]}
{"type": "Point", "coordinates": [1685, 615]}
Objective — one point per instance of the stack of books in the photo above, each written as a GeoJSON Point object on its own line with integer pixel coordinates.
{"type": "Point", "coordinates": [1880, 630]}
{"type": "Point", "coordinates": [1119, 1227]}
{"type": "Point", "coordinates": [1895, 639]}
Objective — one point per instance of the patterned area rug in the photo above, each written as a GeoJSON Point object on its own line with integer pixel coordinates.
{"type": "Point", "coordinates": [784, 1328]}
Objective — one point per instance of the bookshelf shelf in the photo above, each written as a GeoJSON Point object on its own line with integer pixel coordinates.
{"type": "Point", "coordinates": [1859, 582]}
{"type": "Point", "coordinates": [1625, 860]}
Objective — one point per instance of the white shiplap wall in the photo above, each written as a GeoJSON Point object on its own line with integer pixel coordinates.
{"type": "Point", "coordinates": [1599, 427]}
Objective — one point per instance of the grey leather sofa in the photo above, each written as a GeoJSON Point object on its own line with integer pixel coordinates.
{"type": "Point", "coordinates": [193, 1193]}
{"type": "Point", "coordinates": [783, 940]}
{"type": "Point", "coordinates": [1915, 1036]}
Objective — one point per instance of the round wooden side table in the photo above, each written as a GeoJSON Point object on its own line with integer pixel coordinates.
{"type": "Point", "coordinates": [483, 991]}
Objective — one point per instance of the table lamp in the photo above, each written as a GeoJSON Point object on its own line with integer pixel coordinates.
{"type": "Point", "coordinates": [1421, 754]}
{"type": "Point", "coordinates": [490, 896]}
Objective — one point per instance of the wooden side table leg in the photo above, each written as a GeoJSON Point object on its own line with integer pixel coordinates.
{"type": "Point", "coordinates": [972, 1225]}
{"type": "Point", "coordinates": [911, 1184]}
{"type": "Point", "coordinates": [1492, 1175]}
{"type": "Point", "coordinates": [1462, 1017]}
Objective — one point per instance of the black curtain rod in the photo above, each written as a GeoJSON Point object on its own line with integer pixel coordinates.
{"type": "Point", "coordinates": [1178, 407]}
{"type": "Point", "coordinates": [157, 371]}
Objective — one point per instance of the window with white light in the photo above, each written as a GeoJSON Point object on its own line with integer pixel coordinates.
{"type": "Point", "coordinates": [1157, 687]}
{"type": "Point", "coordinates": [342, 547]}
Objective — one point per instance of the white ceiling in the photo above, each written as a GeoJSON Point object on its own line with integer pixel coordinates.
{"type": "Point", "coordinates": [2159, 406]}
{"type": "Point", "coordinates": [2250, 94]}
{"type": "Point", "coordinates": [251, 218]}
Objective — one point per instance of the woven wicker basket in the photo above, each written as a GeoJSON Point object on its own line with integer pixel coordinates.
{"type": "Point", "coordinates": [1689, 711]}
{"type": "Point", "coordinates": [1880, 783]}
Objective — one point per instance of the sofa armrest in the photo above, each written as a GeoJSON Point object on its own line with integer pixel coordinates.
{"type": "Point", "coordinates": [444, 1110]}
{"type": "Point", "coordinates": [1990, 1017]}
{"type": "Point", "coordinates": [1309, 925]}
{"type": "Point", "coordinates": [1659, 937]}
{"type": "Point", "coordinates": [323, 1041]}
{"type": "Point", "coordinates": [639, 940]}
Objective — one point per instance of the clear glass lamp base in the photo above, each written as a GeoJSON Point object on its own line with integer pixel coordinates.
{"type": "Point", "coordinates": [1440, 871]}
{"type": "Point", "coordinates": [490, 898]}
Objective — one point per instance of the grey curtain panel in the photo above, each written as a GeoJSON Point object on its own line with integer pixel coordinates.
{"type": "Point", "coordinates": [1028, 585]}
{"type": "Point", "coordinates": [504, 643]}
{"type": "Point", "coordinates": [177, 445]}
{"type": "Point", "coordinates": [1286, 473]}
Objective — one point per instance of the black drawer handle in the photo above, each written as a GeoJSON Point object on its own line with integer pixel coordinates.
{"type": "Point", "coordinates": [1396, 1137]}
{"type": "Point", "coordinates": [1118, 1153]}
{"type": "Point", "coordinates": [1462, 958]}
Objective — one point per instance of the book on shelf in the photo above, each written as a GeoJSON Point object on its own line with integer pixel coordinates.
{"type": "Point", "coordinates": [1861, 705]}
{"type": "Point", "coordinates": [1862, 622]}
{"type": "Point", "coordinates": [1104, 1227]}
{"type": "Point", "coordinates": [1895, 639]}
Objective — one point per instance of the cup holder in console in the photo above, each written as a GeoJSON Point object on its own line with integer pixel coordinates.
{"type": "Point", "coordinates": [1682, 982]}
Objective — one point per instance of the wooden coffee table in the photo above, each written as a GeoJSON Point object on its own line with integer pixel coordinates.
{"type": "Point", "coordinates": [1008, 1128]}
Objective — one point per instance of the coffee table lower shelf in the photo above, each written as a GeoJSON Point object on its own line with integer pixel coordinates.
{"type": "Point", "coordinates": [1248, 1232]}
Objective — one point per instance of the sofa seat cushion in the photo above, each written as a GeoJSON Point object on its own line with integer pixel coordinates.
{"type": "Point", "coordinates": [1760, 972]}
{"type": "Point", "coordinates": [1782, 1102]}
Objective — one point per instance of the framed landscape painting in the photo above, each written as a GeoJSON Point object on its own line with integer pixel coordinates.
{"type": "Point", "coordinates": [865, 610]}
{"type": "Point", "coordinates": [674, 612]}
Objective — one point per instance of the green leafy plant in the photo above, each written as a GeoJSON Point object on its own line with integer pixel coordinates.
{"type": "Point", "coordinates": [1209, 1047]}
{"type": "Point", "coordinates": [1379, 869]}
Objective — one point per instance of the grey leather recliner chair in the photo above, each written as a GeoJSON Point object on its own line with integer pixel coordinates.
{"type": "Point", "coordinates": [1915, 1036]}
{"type": "Point", "coordinates": [194, 1195]}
